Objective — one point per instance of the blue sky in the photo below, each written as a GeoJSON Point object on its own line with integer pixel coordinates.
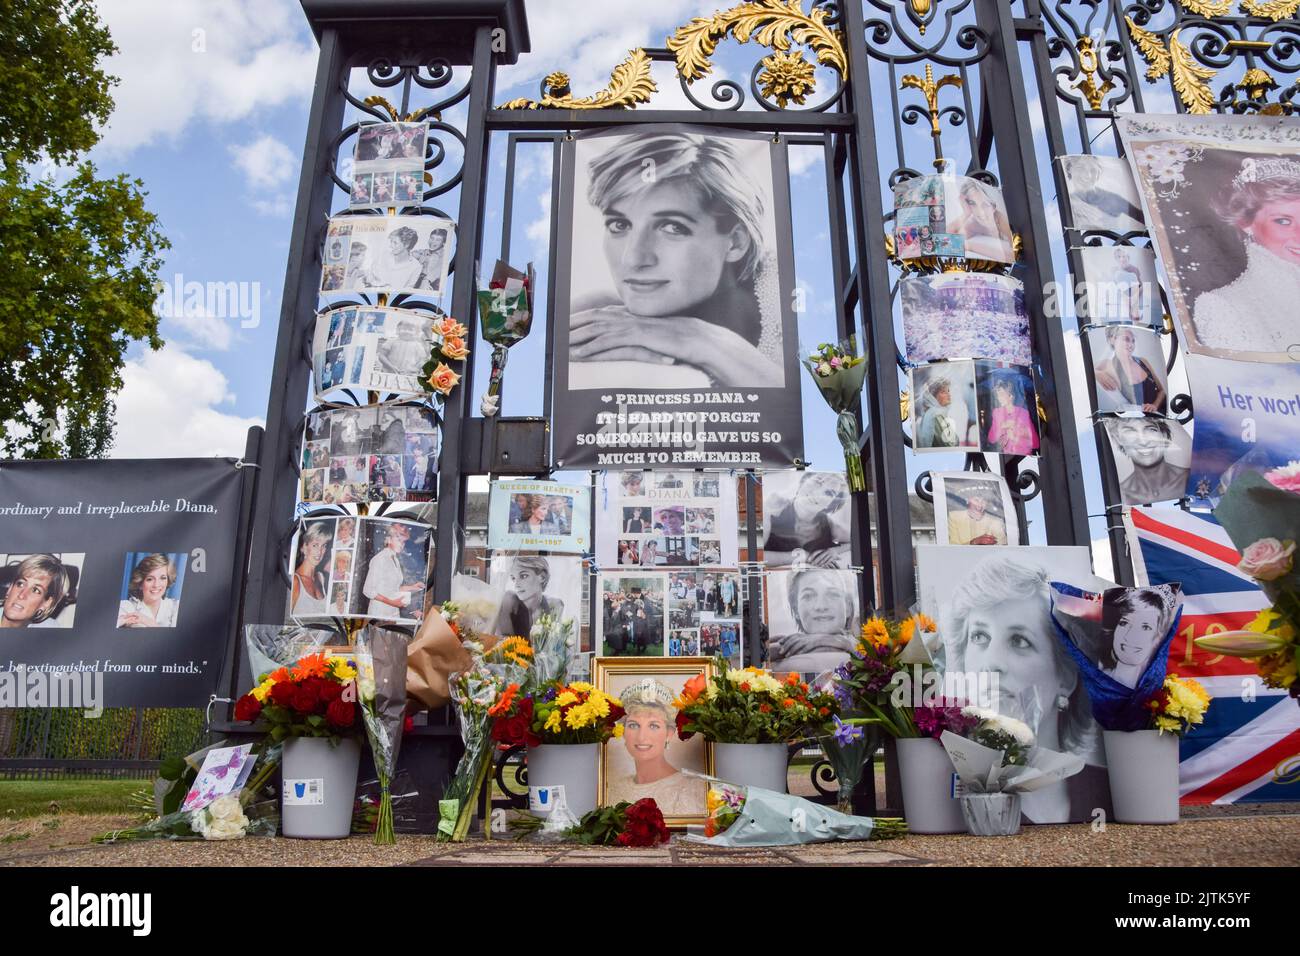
{"type": "Point", "coordinates": [212, 113]}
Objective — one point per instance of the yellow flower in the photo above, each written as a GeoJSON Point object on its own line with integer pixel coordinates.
{"type": "Point", "coordinates": [579, 717]}
{"type": "Point", "coordinates": [713, 801]}
{"type": "Point", "coordinates": [1188, 701]}
{"type": "Point", "coordinates": [342, 668]}
{"type": "Point", "coordinates": [262, 689]}
{"type": "Point", "coordinates": [618, 730]}
{"type": "Point", "coordinates": [599, 703]}
{"type": "Point", "coordinates": [1167, 724]}
{"type": "Point", "coordinates": [581, 687]}
{"type": "Point", "coordinates": [565, 699]}
{"type": "Point", "coordinates": [514, 649]}
{"type": "Point", "coordinates": [1276, 670]}
{"type": "Point", "coordinates": [553, 722]}
{"type": "Point", "coordinates": [876, 632]}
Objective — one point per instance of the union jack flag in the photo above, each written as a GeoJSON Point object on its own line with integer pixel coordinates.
{"type": "Point", "coordinates": [1248, 749]}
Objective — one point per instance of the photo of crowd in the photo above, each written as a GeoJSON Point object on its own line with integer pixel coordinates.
{"type": "Point", "coordinates": [370, 453]}
{"type": "Point", "coordinates": [965, 315]}
{"type": "Point", "coordinates": [388, 165]}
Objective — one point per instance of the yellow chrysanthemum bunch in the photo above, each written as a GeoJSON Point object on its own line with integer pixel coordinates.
{"type": "Point", "coordinates": [1181, 705]}
{"type": "Point", "coordinates": [342, 668]}
{"type": "Point", "coordinates": [514, 649]}
{"type": "Point", "coordinates": [758, 680]}
{"type": "Point", "coordinates": [1279, 669]}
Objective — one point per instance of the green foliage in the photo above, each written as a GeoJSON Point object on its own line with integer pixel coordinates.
{"type": "Point", "coordinates": [601, 827]}
{"type": "Point", "coordinates": [32, 798]}
{"type": "Point", "coordinates": [81, 254]}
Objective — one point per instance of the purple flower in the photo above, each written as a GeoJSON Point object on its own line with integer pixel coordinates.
{"type": "Point", "coordinates": [846, 733]}
{"type": "Point", "coordinates": [933, 721]}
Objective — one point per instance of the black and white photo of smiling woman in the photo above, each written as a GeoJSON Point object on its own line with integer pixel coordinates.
{"type": "Point", "coordinates": [690, 294]}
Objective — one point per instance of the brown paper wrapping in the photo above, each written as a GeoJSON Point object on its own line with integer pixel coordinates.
{"type": "Point", "coordinates": [431, 659]}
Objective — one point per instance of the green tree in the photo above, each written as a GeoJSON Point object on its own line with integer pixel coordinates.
{"type": "Point", "coordinates": [80, 255]}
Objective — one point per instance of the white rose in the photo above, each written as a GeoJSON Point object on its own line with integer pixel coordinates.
{"type": "Point", "coordinates": [226, 829]}
{"type": "Point", "coordinates": [226, 808]}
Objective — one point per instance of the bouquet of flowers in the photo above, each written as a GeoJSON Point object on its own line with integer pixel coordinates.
{"type": "Point", "coordinates": [305, 700]}
{"type": "Point", "coordinates": [476, 692]}
{"type": "Point", "coordinates": [838, 372]}
{"type": "Point", "coordinates": [1262, 514]}
{"type": "Point", "coordinates": [1011, 737]}
{"type": "Point", "coordinates": [1178, 706]}
{"type": "Point", "coordinates": [868, 682]}
{"type": "Point", "coordinates": [750, 706]}
{"type": "Point", "coordinates": [556, 713]}
{"type": "Point", "coordinates": [381, 685]}
{"type": "Point", "coordinates": [639, 824]}
{"type": "Point", "coordinates": [752, 816]}
{"type": "Point", "coordinates": [506, 317]}
{"type": "Point", "coordinates": [449, 346]}
{"type": "Point", "coordinates": [552, 641]}
{"type": "Point", "coordinates": [998, 755]}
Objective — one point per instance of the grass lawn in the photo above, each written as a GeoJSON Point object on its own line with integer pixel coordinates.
{"type": "Point", "coordinates": [33, 798]}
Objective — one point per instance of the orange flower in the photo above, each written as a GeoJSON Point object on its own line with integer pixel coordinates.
{"type": "Point", "coordinates": [744, 687]}
{"type": "Point", "coordinates": [443, 379]}
{"type": "Point", "coordinates": [280, 674]}
{"type": "Point", "coordinates": [765, 708]}
{"type": "Point", "coordinates": [313, 665]}
{"type": "Point", "coordinates": [823, 711]}
{"type": "Point", "coordinates": [453, 346]}
{"type": "Point", "coordinates": [691, 690]}
{"type": "Point", "coordinates": [787, 703]}
{"type": "Point", "coordinates": [792, 678]}
{"type": "Point", "coordinates": [449, 328]}
{"type": "Point", "coordinates": [505, 702]}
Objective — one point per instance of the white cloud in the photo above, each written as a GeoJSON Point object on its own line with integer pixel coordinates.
{"type": "Point", "coordinates": [169, 408]}
{"type": "Point", "coordinates": [205, 331]}
{"type": "Point", "coordinates": [182, 61]}
{"type": "Point", "coordinates": [265, 162]}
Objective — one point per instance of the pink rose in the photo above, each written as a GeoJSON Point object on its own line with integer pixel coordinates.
{"type": "Point", "coordinates": [1268, 559]}
{"type": "Point", "coordinates": [1287, 477]}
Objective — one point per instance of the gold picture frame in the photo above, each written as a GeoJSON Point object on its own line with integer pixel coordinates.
{"type": "Point", "coordinates": [614, 676]}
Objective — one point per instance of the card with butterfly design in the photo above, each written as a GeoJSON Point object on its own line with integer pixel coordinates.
{"type": "Point", "coordinates": [224, 771]}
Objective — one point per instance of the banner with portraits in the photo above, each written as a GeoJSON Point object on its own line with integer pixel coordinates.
{"type": "Point", "coordinates": [1153, 457]}
{"type": "Point", "coordinates": [539, 516]}
{"type": "Point", "coordinates": [121, 572]}
{"type": "Point", "coordinates": [996, 638]}
{"type": "Point", "coordinates": [951, 216]}
{"type": "Point", "coordinates": [388, 165]}
{"type": "Point", "coordinates": [814, 618]}
{"type": "Point", "coordinates": [974, 406]}
{"type": "Point", "coordinates": [807, 519]}
{"type": "Point", "coordinates": [388, 254]}
{"type": "Point", "coordinates": [1247, 419]}
{"type": "Point", "coordinates": [360, 454]}
{"type": "Point", "coordinates": [689, 613]}
{"type": "Point", "coordinates": [956, 315]}
{"type": "Point", "coordinates": [1221, 193]}
{"type": "Point", "coordinates": [972, 507]}
{"type": "Point", "coordinates": [676, 341]}
{"type": "Point", "coordinates": [359, 568]}
{"type": "Point", "coordinates": [373, 349]}
{"type": "Point", "coordinates": [666, 519]}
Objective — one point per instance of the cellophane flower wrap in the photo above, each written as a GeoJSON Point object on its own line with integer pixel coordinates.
{"type": "Point", "coordinates": [752, 816]}
{"type": "Point", "coordinates": [838, 371]}
{"type": "Point", "coordinates": [1262, 516]}
{"type": "Point", "coordinates": [556, 713]}
{"type": "Point", "coordinates": [381, 687]}
{"type": "Point", "coordinates": [506, 317]}
{"type": "Point", "coordinates": [552, 640]}
{"type": "Point", "coordinates": [313, 698]}
{"type": "Point", "coordinates": [475, 693]}
{"type": "Point", "coordinates": [751, 706]}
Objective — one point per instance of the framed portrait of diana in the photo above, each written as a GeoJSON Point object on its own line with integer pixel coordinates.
{"type": "Point", "coordinates": [675, 325]}
{"type": "Point", "coordinates": [648, 758]}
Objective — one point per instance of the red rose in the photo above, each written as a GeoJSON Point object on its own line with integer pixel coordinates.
{"type": "Point", "coordinates": [341, 714]}
{"type": "Point", "coordinates": [511, 731]}
{"type": "Point", "coordinates": [282, 694]}
{"type": "Point", "coordinates": [247, 707]}
{"type": "Point", "coordinates": [645, 825]}
{"type": "Point", "coordinates": [682, 721]}
{"type": "Point", "coordinates": [305, 700]}
{"type": "Point", "coordinates": [408, 724]}
{"type": "Point", "coordinates": [328, 690]}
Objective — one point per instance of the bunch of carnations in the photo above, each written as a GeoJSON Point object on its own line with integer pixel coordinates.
{"type": "Point", "coordinates": [999, 732]}
{"type": "Point", "coordinates": [750, 706]}
{"type": "Point", "coordinates": [1178, 706]}
{"type": "Point", "coordinates": [556, 713]}
{"type": "Point", "coordinates": [475, 693]}
{"type": "Point", "coordinates": [316, 697]}
{"type": "Point", "coordinates": [838, 371]}
{"type": "Point", "coordinates": [865, 683]}
{"type": "Point", "coordinates": [1263, 517]}
{"type": "Point", "coordinates": [637, 824]}
{"type": "Point", "coordinates": [449, 346]}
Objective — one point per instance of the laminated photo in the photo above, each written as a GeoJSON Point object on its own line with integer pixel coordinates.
{"type": "Point", "coordinates": [150, 595]}
{"type": "Point", "coordinates": [1247, 420]}
{"type": "Point", "coordinates": [973, 508]}
{"type": "Point", "coordinates": [807, 519]}
{"type": "Point", "coordinates": [370, 453]}
{"type": "Point", "coordinates": [993, 609]}
{"type": "Point", "coordinates": [943, 408]}
{"type": "Point", "coordinates": [388, 165]}
{"type": "Point", "coordinates": [632, 612]}
{"type": "Point", "coordinates": [359, 568]}
{"type": "Point", "coordinates": [375, 349]}
{"type": "Point", "coordinates": [1008, 409]}
{"type": "Point", "coordinates": [1120, 285]}
{"type": "Point", "coordinates": [642, 613]}
{"type": "Point", "coordinates": [1103, 197]}
{"type": "Point", "coordinates": [666, 519]}
{"type": "Point", "coordinates": [386, 254]}
{"type": "Point", "coordinates": [40, 590]}
{"type": "Point", "coordinates": [814, 619]}
{"type": "Point", "coordinates": [531, 586]}
{"type": "Point", "coordinates": [1153, 458]}
{"type": "Point", "coordinates": [1222, 196]}
{"type": "Point", "coordinates": [956, 315]}
{"type": "Point", "coordinates": [1128, 364]}
{"type": "Point", "coordinates": [949, 216]}
{"type": "Point", "coordinates": [539, 516]}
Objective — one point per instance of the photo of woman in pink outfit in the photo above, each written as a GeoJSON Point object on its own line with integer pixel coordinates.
{"type": "Point", "coordinates": [1006, 398]}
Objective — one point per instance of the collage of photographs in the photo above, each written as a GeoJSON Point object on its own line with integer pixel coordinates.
{"type": "Point", "coordinates": [670, 614]}
{"type": "Point", "coordinates": [667, 519]}
{"type": "Point", "coordinates": [974, 406]}
{"type": "Point", "coordinates": [372, 349]}
{"type": "Point", "coordinates": [371, 453]}
{"type": "Point", "coordinates": [951, 217]}
{"type": "Point", "coordinates": [956, 315]}
{"type": "Point", "coordinates": [388, 254]}
{"type": "Point", "coordinates": [388, 165]}
{"type": "Point", "coordinates": [359, 567]}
